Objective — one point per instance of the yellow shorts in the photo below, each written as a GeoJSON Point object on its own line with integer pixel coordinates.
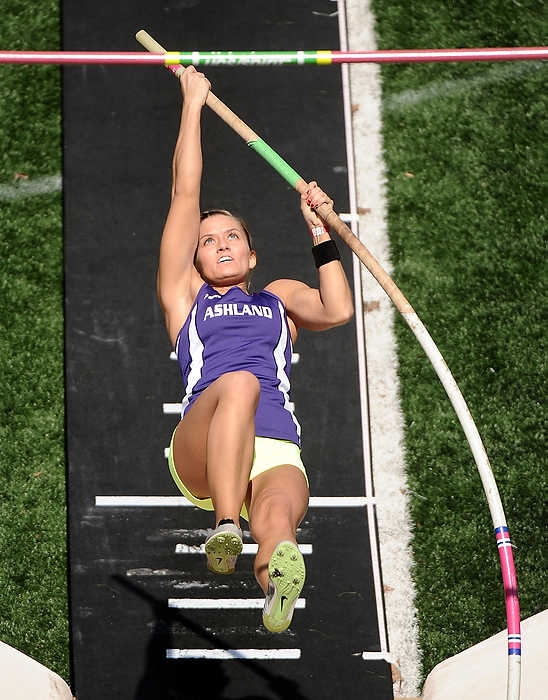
{"type": "Point", "coordinates": [269, 453]}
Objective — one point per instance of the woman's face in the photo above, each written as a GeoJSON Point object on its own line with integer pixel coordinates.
{"type": "Point", "coordinates": [223, 256]}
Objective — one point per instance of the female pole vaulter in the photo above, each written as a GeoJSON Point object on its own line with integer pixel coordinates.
{"type": "Point", "coordinates": [236, 449]}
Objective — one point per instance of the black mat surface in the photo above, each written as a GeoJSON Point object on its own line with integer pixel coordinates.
{"type": "Point", "coordinates": [120, 125]}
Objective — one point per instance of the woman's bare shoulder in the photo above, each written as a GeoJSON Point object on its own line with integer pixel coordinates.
{"type": "Point", "coordinates": [283, 288]}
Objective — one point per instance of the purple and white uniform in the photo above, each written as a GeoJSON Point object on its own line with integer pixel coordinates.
{"type": "Point", "coordinates": [237, 331]}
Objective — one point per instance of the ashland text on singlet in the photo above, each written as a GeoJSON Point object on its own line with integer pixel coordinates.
{"type": "Point", "coordinates": [237, 331]}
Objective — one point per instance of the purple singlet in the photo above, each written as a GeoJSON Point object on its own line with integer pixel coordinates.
{"type": "Point", "coordinates": [237, 331]}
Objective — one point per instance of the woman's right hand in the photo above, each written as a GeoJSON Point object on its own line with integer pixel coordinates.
{"type": "Point", "coordinates": [195, 86]}
{"type": "Point", "coordinates": [311, 199]}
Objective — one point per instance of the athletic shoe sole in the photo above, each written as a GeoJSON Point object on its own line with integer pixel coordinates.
{"type": "Point", "coordinates": [222, 549]}
{"type": "Point", "coordinates": [287, 573]}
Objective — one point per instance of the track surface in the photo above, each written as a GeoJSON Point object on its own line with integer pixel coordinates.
{"type": "Point", "coordinates": [120, 125]}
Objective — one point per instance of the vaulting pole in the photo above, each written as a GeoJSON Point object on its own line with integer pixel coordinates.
{"type": "Point", "coordinates": [504, 545]}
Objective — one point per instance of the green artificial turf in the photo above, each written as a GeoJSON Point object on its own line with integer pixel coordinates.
{"type": "Point", "coordinates": [33, 589]}
{"type": "Point", "coordinates": [465, 154]}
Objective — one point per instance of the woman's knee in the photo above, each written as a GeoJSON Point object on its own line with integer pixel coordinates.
{"type": "Point", "coordinates": [240, 385]}
{"type": "Point", "coordinates": [271, 513]}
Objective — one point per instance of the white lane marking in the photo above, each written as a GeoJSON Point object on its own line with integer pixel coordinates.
{"type": "Point", "coordinates": [247, 549]}
{"type": "Point", "coordinates": [223, 603]}
{"type": "Point", "coordinates": [31, 188]}
{"type": "Point", "coordinates": [295, 357]}
{"type": "Point", "coordinates": [360, 333]}
{"type": "Point", "coordinates": [229, 654]}
{"type": "Point", "coordinates": [386, 420]}
{"type": "Point", "coordinates": [378, 656]}
{"type": "Point", "coordinates": [352, 217]}
{"type": "Point", "coordinates": [178, 501]}
{"type": "Point", "coordinates": [141, 501]}
{"type": "Point", "coordinates": [340, 501]}
{"type": "Point", "coordinates": [175, 408]}
{"type": "Point", "coordinates": [146, 571]}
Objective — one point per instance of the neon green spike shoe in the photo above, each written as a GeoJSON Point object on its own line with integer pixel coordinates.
{"type": "Point", "coordinates": [222, 548]}
{"type": "Point", "coordinates": [287, 573]}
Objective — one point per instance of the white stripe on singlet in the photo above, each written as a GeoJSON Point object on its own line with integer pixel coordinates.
{"type": "Point", "coordinates": [279, 357]}
{"type": "Point", "coordinates": [196, 351]}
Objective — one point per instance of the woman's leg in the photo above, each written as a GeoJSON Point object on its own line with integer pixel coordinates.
{"type": "Point", "coordinates": [214, 443]}
{"type": "Point", "coordinates": [279, 501]}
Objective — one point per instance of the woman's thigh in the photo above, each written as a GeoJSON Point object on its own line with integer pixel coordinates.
{"type": "Point", "coordinates": [190, 441]}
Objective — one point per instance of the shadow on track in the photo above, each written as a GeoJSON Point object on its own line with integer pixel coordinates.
{"type": "Point", "coordinates": [195, 679]}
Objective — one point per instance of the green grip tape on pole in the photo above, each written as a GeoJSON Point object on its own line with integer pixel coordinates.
{"type": "Point", "coordinates": [276, 161]}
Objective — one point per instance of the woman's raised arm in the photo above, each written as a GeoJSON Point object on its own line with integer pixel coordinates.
{"type": "Point", "coordinates": [177, 276]}
{"type": "Point", "coordinates": [331, 304]}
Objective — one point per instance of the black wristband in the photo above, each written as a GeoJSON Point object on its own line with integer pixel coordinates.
{"type": "Point", "coordinates": [325, 252]}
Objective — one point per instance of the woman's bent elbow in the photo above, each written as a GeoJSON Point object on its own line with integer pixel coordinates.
{"type": "Point", "coordinates": [347, 314]}
{"type": "Point", "coordinates": [342, 316]}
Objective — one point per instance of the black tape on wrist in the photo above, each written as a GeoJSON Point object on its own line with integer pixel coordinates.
{"type": "Point", "coordinates": [325, 252]}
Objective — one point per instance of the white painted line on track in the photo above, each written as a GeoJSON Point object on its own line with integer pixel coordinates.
{"type": "Point", "coordinates": [223, 603]}
{"type": "Point", "coordinates": [247, 549]}
{"type": "Point", "coordinates": [340, 501]}
{"type": "Point", "coordinates": [229, 654]}
{"type": "Point", "coordinates": [141, 501]}
{"type": "Point", "coordinates": [295, 357]}
{"type": "Point", "coordinates": [385, 417]}
{"type": "Point", "coordinates": [181, 501]}
{"type": "Point", "coordinates": [175, 408]}
{"type": "Point", "coordinates": [360, 333]}
{"type": "Point", "coordinates": [378, 656]}
{"type": "Point", "coordinates": [349, 218]}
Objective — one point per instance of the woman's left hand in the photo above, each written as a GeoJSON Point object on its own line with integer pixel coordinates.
{"type": "Point", "coordinates": [311, 199]}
